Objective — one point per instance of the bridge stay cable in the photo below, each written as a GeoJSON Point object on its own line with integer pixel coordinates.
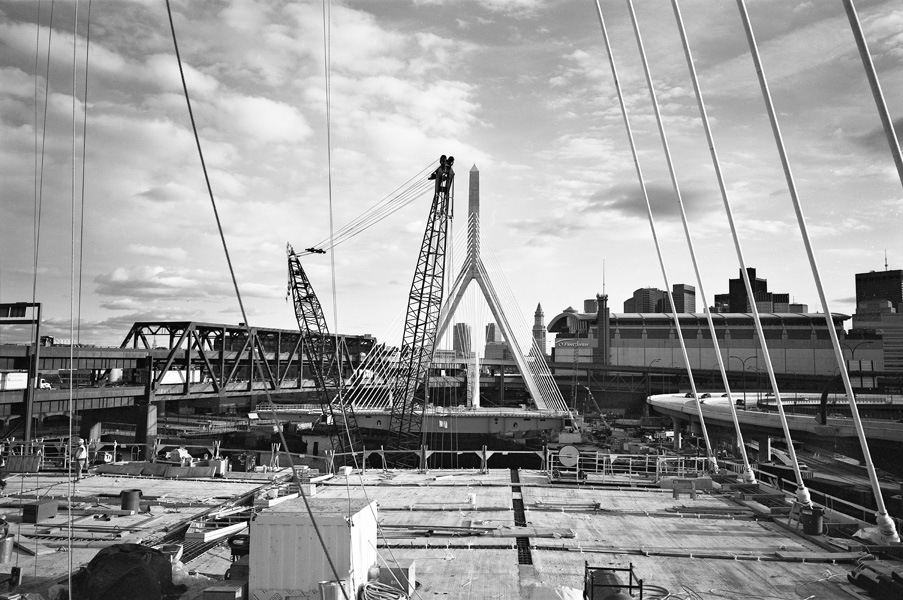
{"type": "Point", "coordinates": [748, 475]}
{"type": "Point", "coordinates": [713, 463]}
{"type": "Point", "coordinates": [802, 492]}
{"type": "Point", "coordinates": [886, 527]}
{"type": "Point", "coordinates": [537, 368]}
{"type": "Point", "coordinates": [886, 121]}
{"type": "Point", "coordinates": [295, 478]}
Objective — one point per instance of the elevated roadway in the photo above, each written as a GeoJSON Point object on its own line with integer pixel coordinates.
{"type": "Point", "coordinates": [885, 437]}
{"type": "Point", "coordinates": [716, 411]}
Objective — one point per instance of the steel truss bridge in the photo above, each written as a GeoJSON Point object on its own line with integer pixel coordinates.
{"type": "Point", "coordinates": [217, 367]}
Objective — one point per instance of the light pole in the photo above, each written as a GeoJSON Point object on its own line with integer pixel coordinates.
{"type": "Point", "coordinates": [743, 362]}
{"type": "Point", "coordinates": [853, 348]}
{"type": "Point", "coordinates": [649, 366]}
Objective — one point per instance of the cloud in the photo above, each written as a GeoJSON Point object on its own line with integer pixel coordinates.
{"type": "Point", "coordinates": [511, 8]}
{"type": "Point", "coordinates": [627, 199]}
{"type": "Point", "coordinates": [158, 252]}
{"type": "Point", "coordinates": [156, 282]}
{"type": "Point", "coordinates": [170, 191]}
{"type": "Point", "coordinates": [261, 120]}
{"type": "Point", "coordinates": [549, 229]}
{"type": "Point", "coordinates": [875, 140]}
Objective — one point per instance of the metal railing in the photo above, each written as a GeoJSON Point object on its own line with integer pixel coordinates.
{"type": "Point", "coordinates": [616, 467]}
{"type": "Point", "coordinates": [851, 509]}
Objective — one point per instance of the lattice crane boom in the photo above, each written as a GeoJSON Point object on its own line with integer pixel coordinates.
{"type": "Point", "coordinates": [323, 354]}
{"type": "Point", "coordinates": [422, 319]}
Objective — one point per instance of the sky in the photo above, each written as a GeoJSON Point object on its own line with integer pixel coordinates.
{"type": "Point", "coordinates": [520, 88]}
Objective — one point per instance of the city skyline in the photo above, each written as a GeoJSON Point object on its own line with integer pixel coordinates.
{"type": "Point", "coordinates": [519, 88]}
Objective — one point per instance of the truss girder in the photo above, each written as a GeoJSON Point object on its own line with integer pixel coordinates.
{"type": "Point", "coordinates": [422, 320]}
{"type": "Point", "coordinates": [324, 355]}
{"type": "Point", "coordinates": [217, 354]}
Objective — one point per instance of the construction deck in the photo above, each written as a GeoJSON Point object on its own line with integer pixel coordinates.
{"type": "Point", "coordinates": [499, 535]}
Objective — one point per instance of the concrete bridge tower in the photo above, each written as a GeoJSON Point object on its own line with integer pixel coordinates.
{"type": "Point", "coordinates": [473, 270]}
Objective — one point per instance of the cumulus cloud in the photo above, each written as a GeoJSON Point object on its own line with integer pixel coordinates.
{"type": "Point", "coordinates": [530, 100]}
{"type": "Point", "coordinates": [161, 282]}
{"type": "Point", "coordinates": [264, 121]}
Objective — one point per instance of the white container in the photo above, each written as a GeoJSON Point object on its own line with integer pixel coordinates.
{"type": "Point", "coordinates": [332, 590]}
{"type": "Point", "coordinates": [286, 556]}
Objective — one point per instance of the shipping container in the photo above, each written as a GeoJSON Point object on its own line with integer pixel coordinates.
{"type": "Point", "coordinates": [287, 558]}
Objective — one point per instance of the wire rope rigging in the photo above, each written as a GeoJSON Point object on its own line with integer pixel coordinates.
{"type": "Point", "coordinates": [324, 358]}
{"type": "Point", "coordinates": [295, 477]}
{"type": "Point", "coordinates": [422, 320]}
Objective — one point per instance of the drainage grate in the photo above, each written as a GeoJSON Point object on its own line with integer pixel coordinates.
{"type": "Point", "coordinates": [520, 517]}
{"type": "Point", "coordinates": [524, 557]}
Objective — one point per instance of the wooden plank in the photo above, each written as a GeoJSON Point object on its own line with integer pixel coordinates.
{"type": "Point", "coordinates": [113, 512]}
{"type": "Point", "coordinates": [34, 548]}
{"type": "Point", "coordinates": [268, 502]}
{"type": "Point", "coordinates": [215, 534]}
{"type": "Point", "coordinates": [227, 512]}
{"type": "Point", "coordinates": [99, 543]}
{"type": "Point", "coordinates": [121, 469]}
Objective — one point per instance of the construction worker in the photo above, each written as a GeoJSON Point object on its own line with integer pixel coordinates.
{"type": "Point", "coordinates": [81, 459]}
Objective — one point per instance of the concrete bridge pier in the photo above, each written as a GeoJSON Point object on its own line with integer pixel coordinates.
{"type": "Point", "coordinates": [146, 420]}
{"type": "Point", "coordinates": [146, 428]}
{"type": "Point", "coordinates": [89, 418]}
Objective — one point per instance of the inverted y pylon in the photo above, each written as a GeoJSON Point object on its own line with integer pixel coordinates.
{"type": "Point", "coordinates": [473, 271]}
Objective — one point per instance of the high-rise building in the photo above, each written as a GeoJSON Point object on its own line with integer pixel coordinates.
{"type": "Point", "coordinates": [492, 333]}
{"type": "Point", "coordinates": [653, 300]}
{"type": "Point", "coordinates": [461, 342]}
{"type": "Point", "coordinates": [722, 303]}
{"type": "Point", "coordinates": [645, 300]}
{"type": "Point", "coordinates": [684, 299]}
{"type": "Point", "coordinates": [880, 285]}
{"type": "Point", "coordinates": [739, 300]}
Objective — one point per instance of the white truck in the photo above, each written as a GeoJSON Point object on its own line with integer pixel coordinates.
{"type": "Point", "coordinates": [18, 380]}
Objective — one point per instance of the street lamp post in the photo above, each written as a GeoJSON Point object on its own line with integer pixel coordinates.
{"type": "Point", "coordinates": [649, 366]}
{"type": "Point", "coordinates": [743, 362]}
{"type": "Point", "coordinates": [853, 348]}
